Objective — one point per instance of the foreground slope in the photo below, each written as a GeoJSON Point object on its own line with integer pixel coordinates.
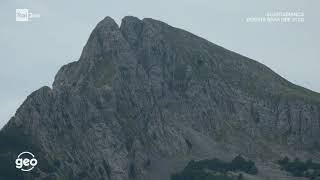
{"type": "Point", "coordinates": [145, 98]}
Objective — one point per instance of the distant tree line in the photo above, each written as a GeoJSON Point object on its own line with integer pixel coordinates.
{"type": "Point", "coordinates": [216, 169]}
{"type": "Point", "coordinates": [298, 168]}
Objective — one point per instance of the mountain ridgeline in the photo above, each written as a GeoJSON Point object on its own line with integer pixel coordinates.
{"type": "Point", "coordinates": [146, 98]}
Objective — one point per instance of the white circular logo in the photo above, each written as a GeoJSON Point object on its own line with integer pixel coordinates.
{"type": "Point", "coordinates": [26, 161]}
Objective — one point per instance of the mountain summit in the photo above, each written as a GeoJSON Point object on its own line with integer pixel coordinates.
{"type": "Point", "coordinates": [145, 98]}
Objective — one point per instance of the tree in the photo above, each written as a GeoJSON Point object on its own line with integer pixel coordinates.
{"type": "Point", "coordinates": [284, 161]}
{"type": "Point", "coordinates": [240, 177]}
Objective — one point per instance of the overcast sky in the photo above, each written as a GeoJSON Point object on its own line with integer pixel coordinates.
{"type": "Point", "coordinates": [32, 52]}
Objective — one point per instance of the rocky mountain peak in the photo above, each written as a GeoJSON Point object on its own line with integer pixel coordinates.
{"type": "Point", "coordinates": [131, 28]}
{"type": "Point", "coordinates": [105, 39]}
{"type": "Point", "coordinates": [145, 98]}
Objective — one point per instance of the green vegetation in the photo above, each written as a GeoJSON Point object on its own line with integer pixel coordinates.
{"type": "Point", "coordinates": [216, 169]}
{"type": "Point", "coordinates": [298, 168]}
{"type": "Point", "coordinates": [103, 72]}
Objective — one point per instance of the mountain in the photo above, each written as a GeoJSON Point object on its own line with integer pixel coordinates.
{"type": "Point", "coordinates": [145, 98]}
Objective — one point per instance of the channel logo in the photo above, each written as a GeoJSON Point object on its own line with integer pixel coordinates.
{"type": "Point", "coordinates": [24, 15]}
{"type": "Point", "coordinates": [26, 161]}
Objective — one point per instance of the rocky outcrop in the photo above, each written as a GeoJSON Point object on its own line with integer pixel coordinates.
{"type": "Point", "coordinates": [146, 97]}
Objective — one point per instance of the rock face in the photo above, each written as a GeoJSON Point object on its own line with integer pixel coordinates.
{"type": "Point", "coordinates": [145, 98]}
